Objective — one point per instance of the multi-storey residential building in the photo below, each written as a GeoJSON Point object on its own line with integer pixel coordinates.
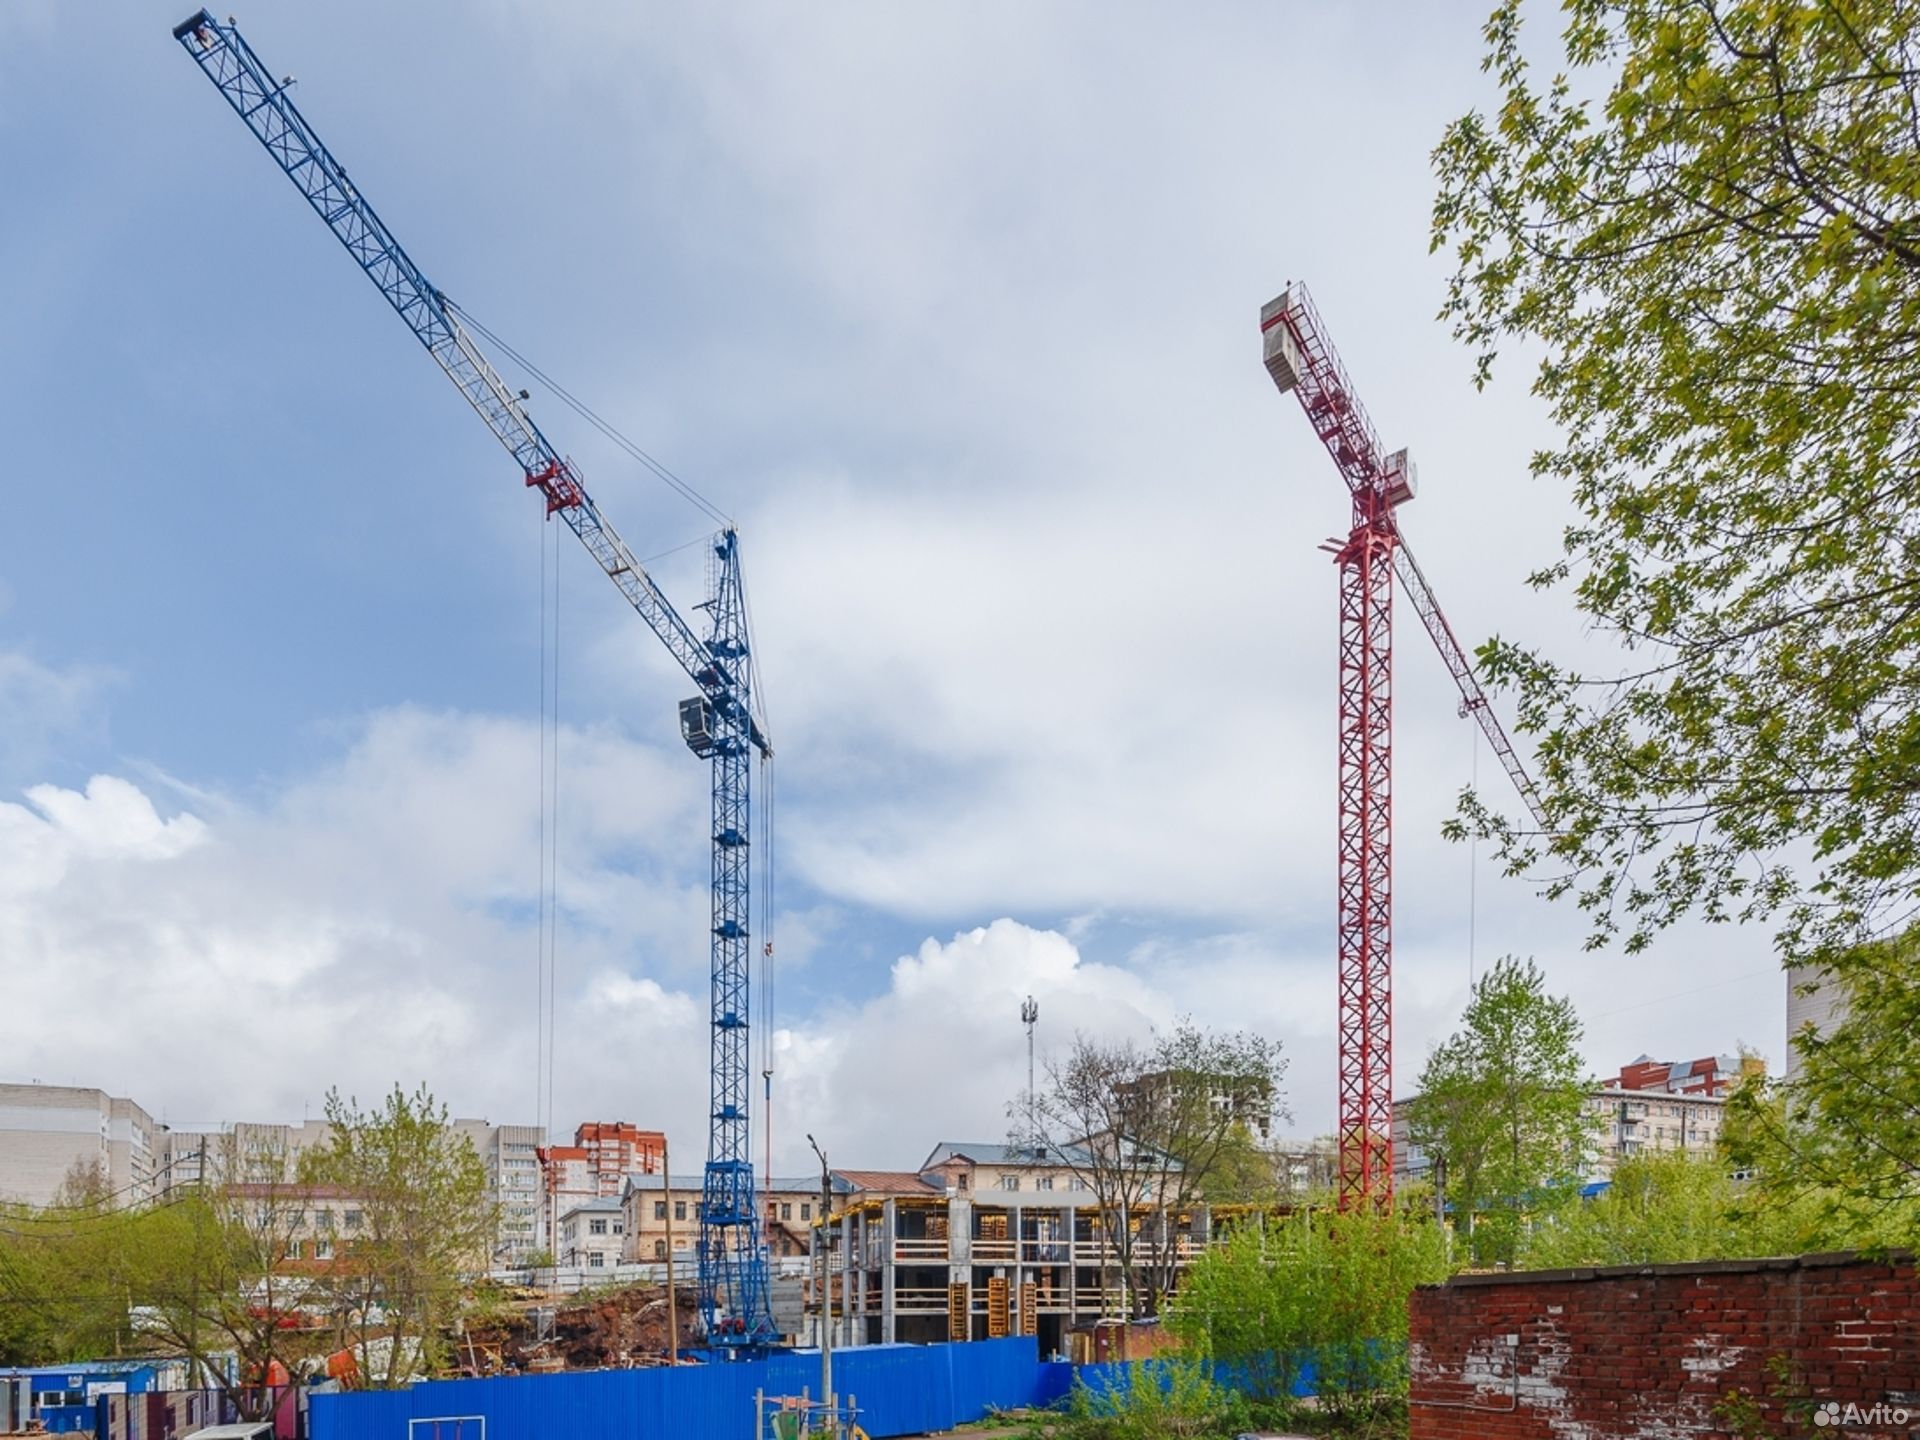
{"type": "Point", "coordinates": [1623, 1120]}
{"type": "Point", "coordinates": [591, 1234]}
{"type": "Point", "coordinates": [51, 1132]}
{"type": "Point", "coordinates": [976, 1167]}
{"type": "Point", "coordinates": [247, 1151]}
{"type": "Point", "coordinates": [1626, 1123]}
{"type": "Point", "coordinates": [1710, 1075]}
{"type": "Point", "coordinates": [604, 1154]}
{"type": "Point", "coordinates": [655, 1207]}
{"type": "Point", "coordinates": [511, 1155]}
{"type": "Point", "coordinates": [661, 1211]}
{"type": "Point", "coordinates": [254, 1152]}
{"type": "Point", "coordinates": [1816, 1001]}
{"type": "Point", "coordinates": [1305, 1167]}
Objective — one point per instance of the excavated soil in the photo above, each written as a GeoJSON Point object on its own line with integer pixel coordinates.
{"type": "Point", "coordinates": [615, 1330]}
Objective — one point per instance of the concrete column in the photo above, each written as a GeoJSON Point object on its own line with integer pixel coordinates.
{"type": "Point", "coordinates": [860, 1284]}
{"type": "Point", "coordinates": [889, 1272]}
{"type": "Point", "coordinates": [845, 1336]}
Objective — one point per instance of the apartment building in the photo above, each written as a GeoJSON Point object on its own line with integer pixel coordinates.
{"type": "Point", "coordinates": [511, 1154]}
{"type": "Point", "coordinates": [255, 1152]}
{"type": "Point", "coordinates": [51, 1132]}
{"type": "Point", "coordinates": [1710, 1075]}
{"type": "Point", "coordinates": [1816, 1001]}
{"type": "Point", "coordinates": [603, 1156]}
{"type": "Point", "coordinates": [247, 1151]}
{"type": "Point", "coordinates": [591, 1234]}
{"type": "Point", "coordinates": [1623, 1121]}
{"type": "Point", "coordinates": [658, 1209]}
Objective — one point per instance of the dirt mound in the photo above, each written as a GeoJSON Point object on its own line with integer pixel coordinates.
{"type": "Point", "coordinates": [621, 1328]}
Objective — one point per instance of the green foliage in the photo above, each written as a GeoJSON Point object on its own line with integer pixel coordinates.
{"type": "Point", "coordinates": [1662, 1207]}
{"type": "Point", "coordinates": [1839, 1145]}
{"type": "Point", "coordinates": [1172, 1397]}
{"type": "Point", "coordinates": [1502, 1109]}
{"type": "Point", "coordinates": [59, 1296]}
{"type": "Point", "coordinates": [1317, 1289]}
{"type": "Point", "coordinates": [1706, 224]}
{"type": "Point", "coordinates": [426, 1220]}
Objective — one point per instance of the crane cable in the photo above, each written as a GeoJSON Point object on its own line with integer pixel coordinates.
{"type": "Point", "coordinates": [1473, 860]}
{"type": "Point", "coordinates": [593, 418]}
{"type": "Point", "coordinates": [548, 902]}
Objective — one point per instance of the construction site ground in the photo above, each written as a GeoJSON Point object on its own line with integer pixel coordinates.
{"type": "Point", "coordinates": [615, 1329]}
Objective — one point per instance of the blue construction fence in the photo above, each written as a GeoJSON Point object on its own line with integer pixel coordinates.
{"type": "Point", "coordinates": [900, 1390]}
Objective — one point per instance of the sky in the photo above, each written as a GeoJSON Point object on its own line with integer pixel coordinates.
{"type": "Point", "coordinates": [954, 309]}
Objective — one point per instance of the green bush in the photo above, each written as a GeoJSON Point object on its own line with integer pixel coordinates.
{"type": "Point", "coordinates": [1317, 1291]}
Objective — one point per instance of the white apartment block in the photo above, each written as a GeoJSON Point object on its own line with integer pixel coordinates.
{"type": "Point", "coordinates": [251, 1152]}
{"type": "Point", "coordinates": [511, 1155]}
{"type": "Point", "coordinates": [48, 1132]}
{"type": "Point", "coordinates": [1821, 1008]}
{"type": "Point", "coordinates": [591, 1234]}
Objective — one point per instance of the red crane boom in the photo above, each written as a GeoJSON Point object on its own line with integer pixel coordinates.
{"type": "Point", "coordinates": [1300, 358]}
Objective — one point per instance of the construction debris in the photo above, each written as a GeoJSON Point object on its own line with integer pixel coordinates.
{"type": "Point", "coordinates": [616, 1330]}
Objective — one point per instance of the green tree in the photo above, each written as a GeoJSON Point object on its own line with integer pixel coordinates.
{"type": "Point", "coordinates": [414, 1219]}
{"type": "Point", "coordinates": [1317, 1290]}
{"type": "Point", "coordinates": [216, 1269]}
{"type": "Point", "coordinates": [61, 1294]}
{"type": "Point", "coordinates": [1839, 1144]}
{"type": "Point", "coordinates": [1502, 1108]}
{"type": "Point", "coordinates": [1703, 216]}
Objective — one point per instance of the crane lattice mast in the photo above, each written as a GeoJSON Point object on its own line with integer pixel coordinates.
{"type": "Point", "coordinates": [1300, 357]}
{"type": "Point", "coordinates": [719, 723]}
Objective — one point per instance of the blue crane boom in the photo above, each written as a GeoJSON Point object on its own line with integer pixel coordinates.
{"type": "Point", "coordinates": [719, 724]}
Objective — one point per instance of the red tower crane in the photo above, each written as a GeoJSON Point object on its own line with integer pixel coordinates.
{"type": "Point", "coordinates": [1300, 358]}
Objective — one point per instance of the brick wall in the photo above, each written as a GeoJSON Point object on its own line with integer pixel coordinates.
{"type": "Point", "coordinates": [1646, 1352]}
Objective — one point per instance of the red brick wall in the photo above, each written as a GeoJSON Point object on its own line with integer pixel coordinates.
{"type": "Point", "coordinates": [1645, 1353]}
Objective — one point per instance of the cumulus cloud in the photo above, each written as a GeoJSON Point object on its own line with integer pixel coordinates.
{"type": "Point", "coordinates": [370, 924]}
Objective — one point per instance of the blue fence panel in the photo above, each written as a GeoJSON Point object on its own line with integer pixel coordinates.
{"type": "Point", "coordinates": [66, 1419]}
{"type": "Point", "coordinates": [900, 1389]}
{"type": "Point", "coordinates": [375, 1415]}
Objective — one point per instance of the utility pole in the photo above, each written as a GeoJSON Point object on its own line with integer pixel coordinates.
{"type": "Point", "coordinates": [1029, 1016]}
{"type": "Point", "coordinates": [673, 1293]}
{"type": "Point", "coordinates": [826, 1279]}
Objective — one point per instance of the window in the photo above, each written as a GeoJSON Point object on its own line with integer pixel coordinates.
{"type": "Point", "coordinates": [323, 1219]}
{"type": "Point", "coordinates": [806, 1210]}
{"type": "Point", "coordinates": [1009, 1182]}
{"type": "Point", "coordinates": [960, 1182]}
{"type": "Point", "coordinates": [786, 1210]}
{"type": "Point", "coordinates": [323, 1249]}
{"type": "Point", "coordinates": [679, 1209]}
{"type": "Point", "coordinates": [1045, 1182]}
{"type": "Point", "coordinates": [659, 1249]}
{"type": "Point", "coordinates": [660, 1210]}
{"type": "Point", "coordinates": [619, 1227]}
{"type": "Point", "coordinates": [596, 1227]}
{"type": "Point", "coordinates": [296, 1251]}
{"type": "Point", "coordinates": [596, 1261]}
{"type": "Point", "coordinates": [353, 1219]}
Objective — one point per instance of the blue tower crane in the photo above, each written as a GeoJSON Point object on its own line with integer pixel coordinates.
{"type": "Point", "coordinates": [719, 723]}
